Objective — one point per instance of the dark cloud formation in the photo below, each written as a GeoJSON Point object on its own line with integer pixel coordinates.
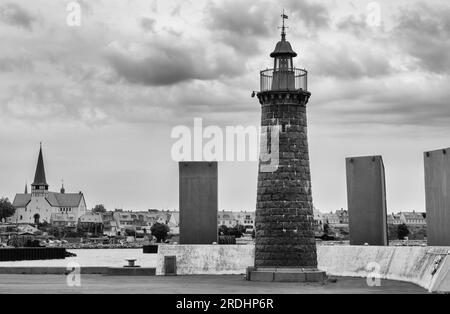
{"type": "Point", "coordinates": [353, 24]}
{"type": "Point", "coordinates": [147, 24]}
{"type": "Point", "coordinates": [239, 24]}
{"type": "Point", "coordinates": [411, 106]}
{"type": "Point", "coordinates": [164, 63]}
{"type": "Point", "coordinates": [349, 62]}
{"type": "Point", "coordinates": [215, 68]}
{"type": "Point", "coordinates": [14, 15]}
{"type": "Point", "coordinates": [9, 64]}
{"type": "Point", "coordinates": [242, 24]}
{"type": "Point", "coordinates": [423, 32]}
{"type": "Point", "coordinates": [314, 15]}
{"type": "Point", "coordinates": [238, 17]}
{"type": "Point", "coordinates": [399, 101]}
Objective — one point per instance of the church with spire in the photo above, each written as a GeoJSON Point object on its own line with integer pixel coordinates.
{"type": "Point", "coordinates": [40, 205]}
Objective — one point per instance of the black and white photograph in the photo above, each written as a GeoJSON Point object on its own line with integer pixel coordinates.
{"type": "Point", "coordinates": [229, 155]}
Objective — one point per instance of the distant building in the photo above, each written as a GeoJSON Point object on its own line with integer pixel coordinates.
{"type": "Point", "coordinates": [318, 220]}
{"type": "Point", "coordinates": [91, 222]}
{"type": "Point", "coordinates": [174, 223]}
{"type": "Point", "coordinates": [231, 219]}
{"type": "Point", "coordinates": [110, 227]}
{"type": "Point", "coordinates": [343, 216]}
{"type": "Point", "coordinates": [39, 206]}
{"type": "Point", "coordinates": [124, 222]}
{"type": "Point", "coordinates": [331, 219]}
{"type": "Point", "coordinates": [413, 219]}
{"type": "Point", "coordinates": [226, 219]}
{"type": "Point", "coordinates": [63, 220]}
{"type": "Point", "coordinates": [393, 219]}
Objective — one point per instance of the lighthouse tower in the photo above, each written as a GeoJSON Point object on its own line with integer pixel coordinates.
{"type": "Point", "coordinates": [285, 242]}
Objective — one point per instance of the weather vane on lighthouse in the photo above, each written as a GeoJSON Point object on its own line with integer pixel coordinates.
{"type": "Point", "coordinates": [284, 17]}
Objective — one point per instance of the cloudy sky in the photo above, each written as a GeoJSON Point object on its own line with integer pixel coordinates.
{"type": "Point", "coordinates": [104, 97]}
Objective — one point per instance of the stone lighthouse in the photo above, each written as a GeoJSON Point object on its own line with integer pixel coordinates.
{"type": "Point", "coordinates": [285, 243]}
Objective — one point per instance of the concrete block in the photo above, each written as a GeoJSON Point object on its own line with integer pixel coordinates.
{"type": "Point", "coordinates": [437, 195]}
{"type": "Point", "coordinates": [289, 277]}
{"type": "Point", "coordinates": [263, 276]}
{"type": "Point", "coordinates": [198, 202]}
{"type": "Point", "coordinates": [138, 271]}
{"type": "Point", "coordinates": [366, 193]}
{"type": "Point", "coordinates": [315, 276]}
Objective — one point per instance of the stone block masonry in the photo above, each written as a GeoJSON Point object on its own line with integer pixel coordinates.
{"type": "Point", "coordinates": [284, 213]}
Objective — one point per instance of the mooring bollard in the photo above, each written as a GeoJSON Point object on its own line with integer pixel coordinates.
{"type": "Point", "coordinates": [131, 263]}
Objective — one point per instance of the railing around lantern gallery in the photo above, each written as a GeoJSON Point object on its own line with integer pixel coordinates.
{"type": "Point", "coordinates": [284, 80]}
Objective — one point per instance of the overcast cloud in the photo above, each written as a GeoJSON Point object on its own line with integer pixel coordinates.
{"type": "Point", "coordinates": [103, 97]}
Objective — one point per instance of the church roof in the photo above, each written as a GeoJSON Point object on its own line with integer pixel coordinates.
{"type": "Point", "coordinates": [64, 200]}
{"type": "Point", "coordinates": [54, 199]}
{"type": "Point", "coordinates": [39, 177]}
{"type": "Point", "coordinates": [21, 200]}
{"type": "Point", "coordinates": [413, 215]}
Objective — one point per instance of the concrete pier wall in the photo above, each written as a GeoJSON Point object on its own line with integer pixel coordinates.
{"type": "Point", "coordinates": [207, 259]}
{"type": "Point", "coordinates": [418, 265]}
{"type": "Point", "coordinates": [411, 264]}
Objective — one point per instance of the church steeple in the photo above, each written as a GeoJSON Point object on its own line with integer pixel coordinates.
{"type": "Point", "coordinates": [26, 187]}
{"type": "Point", "coordinates": [39, 186]}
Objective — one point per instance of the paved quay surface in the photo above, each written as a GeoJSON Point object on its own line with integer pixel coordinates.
{"type": "Point", "coordinates": [230, 284]}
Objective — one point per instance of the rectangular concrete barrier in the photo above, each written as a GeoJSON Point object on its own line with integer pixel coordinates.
{"type": "Point", "coordinates": [437, 195]}
{"type": "Point", "coordinates": [207, 259]}
{"type": "Point", "coordinates": [366, 193]}
{"type": "Point", "coordinates": [425, 266]}
{"type": "Point", "coordinates": [198, 202]}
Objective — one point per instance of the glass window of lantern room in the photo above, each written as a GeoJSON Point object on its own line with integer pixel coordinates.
{"type": "Point", "coordinates": [283, 64]}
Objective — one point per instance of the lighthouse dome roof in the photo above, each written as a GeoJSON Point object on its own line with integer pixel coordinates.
{"type": "Point", "coordinates": [283, 47]}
